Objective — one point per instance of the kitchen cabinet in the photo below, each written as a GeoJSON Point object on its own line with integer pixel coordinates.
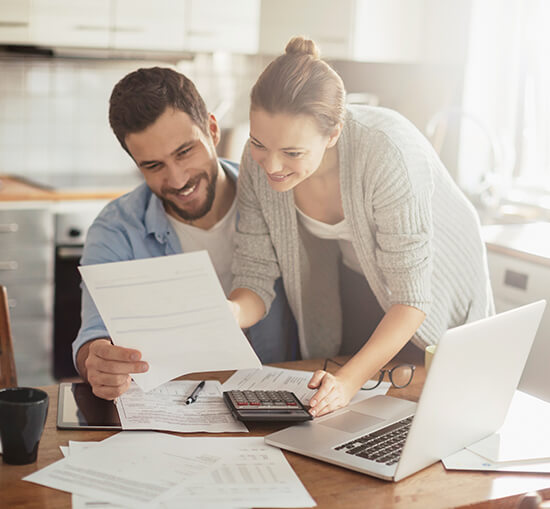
{"type": "Point", "coordinates": [85, 23]}
{"type": "Point", "coordinates": [95, 24]}
{"type": "Point", "coordinates": [27, 270]}
{"type": "Point", "coordinates": [388, 31]}
{"type": "Point", "coordinates": [142, 24]}
{"type": "Point", "coordinates": [220, 25]}
{"type": "Point", "coordinates": [33, 221]}
{"type": "Point", "coordinates": [519, 266]}
{"type": "Point", "coordinates": [363, 30]}
{"type": "Point", "coordinates": [331, 25]}
{"type": "Point", "coordinates": [163, 25]}
{"type": "Point", "coordinates": [14, 21]}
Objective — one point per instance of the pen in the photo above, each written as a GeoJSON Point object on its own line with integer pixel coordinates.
{"type": "Point", "coordinates": [195, 393]}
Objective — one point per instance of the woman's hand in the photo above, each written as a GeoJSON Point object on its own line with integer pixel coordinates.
{"type": "Point", "coordinates": [234, 309]}
{"type": "Point", "coordinates": [247, 307]}
{"type": "Point", "coordinates": [334, 392]}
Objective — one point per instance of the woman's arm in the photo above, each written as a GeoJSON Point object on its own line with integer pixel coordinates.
{"type": "Point", "coordinates": [394, 330]}
{"type": "Point", "coordinates": [255, 265]}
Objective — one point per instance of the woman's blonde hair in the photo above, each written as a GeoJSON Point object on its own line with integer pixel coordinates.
{"type": "Point", "coordinates": [299, 82]}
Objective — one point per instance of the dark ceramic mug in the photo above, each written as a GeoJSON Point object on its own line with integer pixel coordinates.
{"type": "Point", "coordinates": [23, 412]}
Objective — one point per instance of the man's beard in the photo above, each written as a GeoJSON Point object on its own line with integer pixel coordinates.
{"type": "Point", "coordinates": [193, 215]}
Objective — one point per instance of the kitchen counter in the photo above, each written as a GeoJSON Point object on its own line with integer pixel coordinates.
{"type": "Point", "coordinates": [44, 221]}
{"type": "Point", "coordinates": [14, 188]}
{"type": "Point", "coordinates": [528, 242]}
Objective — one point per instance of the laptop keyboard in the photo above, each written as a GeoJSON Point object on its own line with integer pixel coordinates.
{"type": "Point", "coordinates": [383, 446]}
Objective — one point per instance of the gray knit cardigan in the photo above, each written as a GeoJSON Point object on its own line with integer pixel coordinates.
{"type": "Point", "coordinates": [416, 236]}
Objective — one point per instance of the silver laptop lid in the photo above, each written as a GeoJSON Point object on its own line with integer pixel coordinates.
{"type": "Point", "coordinates": [473, 376]}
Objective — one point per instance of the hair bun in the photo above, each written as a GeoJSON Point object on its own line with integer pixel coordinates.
{"type": "Point", "coordinates": [301, 46]}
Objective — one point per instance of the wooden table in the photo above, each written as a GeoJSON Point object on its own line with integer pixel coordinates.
{"type": "Point", "coordinates": [330, 486]}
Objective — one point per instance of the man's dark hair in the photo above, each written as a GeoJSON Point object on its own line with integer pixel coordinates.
{"type": "Point", "coordinates": [142, 96]}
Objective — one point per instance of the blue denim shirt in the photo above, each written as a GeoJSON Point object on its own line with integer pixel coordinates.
{"type": "Point", "coordinates": [135, 226]}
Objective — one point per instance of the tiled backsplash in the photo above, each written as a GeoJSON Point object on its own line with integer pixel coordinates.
{"type": "Point", "coordinates": [53, 112]}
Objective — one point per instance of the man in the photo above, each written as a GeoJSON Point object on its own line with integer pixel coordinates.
{"type": "Point", "coordinates": [186, 203]}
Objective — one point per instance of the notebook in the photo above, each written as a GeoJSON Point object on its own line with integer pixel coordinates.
{"type": "Point", "coordinates": [473, 376]}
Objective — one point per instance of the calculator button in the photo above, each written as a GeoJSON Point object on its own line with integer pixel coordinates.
{"type": "Point", "coordinates": [252, 398]}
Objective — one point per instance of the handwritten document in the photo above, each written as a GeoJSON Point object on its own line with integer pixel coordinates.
{"type": "Point", "coordinates": [173, 309]}
{"type": "Point", "coordinates": [278, 379]}
{"type": "Point", "coordinates": [164, 409]}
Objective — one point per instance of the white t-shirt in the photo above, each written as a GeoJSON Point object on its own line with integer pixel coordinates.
{"type": "Point", "coordinates": [218, 241]}
{"type": "Point", "coordinates": [339, 231]}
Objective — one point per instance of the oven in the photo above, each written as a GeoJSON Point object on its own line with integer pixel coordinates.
{"type": "Point", "coordinates": [72, 221]}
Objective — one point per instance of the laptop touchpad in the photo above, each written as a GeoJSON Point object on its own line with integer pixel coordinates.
{"type": "Point", "coordinates": [351, 421]}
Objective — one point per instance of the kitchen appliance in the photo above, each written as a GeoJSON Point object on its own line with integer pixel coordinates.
{"type": "Point", "coordinates": [72, 220]}
{"type": "Point", "coordinates": [519, 266]}
{"type": "Point", "coordinates": [27, 271]}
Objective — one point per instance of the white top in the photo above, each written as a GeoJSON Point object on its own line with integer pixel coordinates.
{"type": "Point", "coordinates": [340, 231]}
{"type": "Point", "coordinates": [218, 241]}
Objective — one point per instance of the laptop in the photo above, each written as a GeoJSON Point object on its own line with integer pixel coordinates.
{"type": "Point", "coordinates": [474, 373]}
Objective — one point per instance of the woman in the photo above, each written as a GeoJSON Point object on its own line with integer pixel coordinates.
{"type": "Point", "coordinates": [321, 182]}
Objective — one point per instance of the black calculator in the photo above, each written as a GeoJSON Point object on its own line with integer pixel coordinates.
{"type": "Point", "coordinates": [266, 406]}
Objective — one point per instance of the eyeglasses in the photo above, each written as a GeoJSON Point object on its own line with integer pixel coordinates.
{"type": "Point", "coordinates": [400, 376]}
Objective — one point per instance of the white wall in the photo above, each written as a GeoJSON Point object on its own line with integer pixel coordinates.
{"type": "Point", "coordinates": [54, 112]}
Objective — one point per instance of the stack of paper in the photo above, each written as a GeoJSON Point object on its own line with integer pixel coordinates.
{"type": "Point", "coordinates": [148, 469]}
{"type": "Point", "coordinates": [521, 445]}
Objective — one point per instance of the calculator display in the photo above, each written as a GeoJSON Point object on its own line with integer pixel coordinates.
{"type": "Point", "coordinates": [266, 406]}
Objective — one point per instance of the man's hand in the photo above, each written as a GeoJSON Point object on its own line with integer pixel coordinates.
{"type": "Point", "coordinates": [107, 367]}
{"type": "Point", "coordinates": [333, 393]}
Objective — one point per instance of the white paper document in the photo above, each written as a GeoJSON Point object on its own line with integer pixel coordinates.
{"type": "Point", "coordinates": [278, 379]}
{"type": "Point", "coordinates": [164, 409]}
{"type": "Point", "coordinates": [521, 445]}
{"type": "Point", "coordinates": [248, 473]}
{"type": "Point", "coordinates": [174, 311]}
{"type": "Point", "coordinates": [78, 501]}
{"type": "Point", "coordinates": [523, 436]}
{"type": "Point", "coordinates": [130, 471]}
{"type": "Point", "coordinates": [468, 460]}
